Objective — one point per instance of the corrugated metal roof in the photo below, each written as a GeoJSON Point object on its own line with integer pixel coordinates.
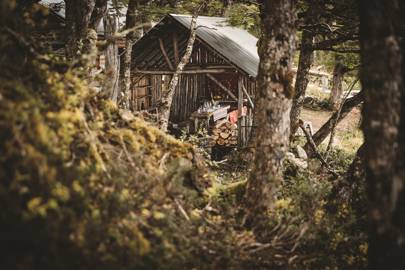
{"type": "Point", "coordinates": [235, 44]}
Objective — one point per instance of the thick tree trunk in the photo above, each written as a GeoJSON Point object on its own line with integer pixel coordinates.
{"type": "Point", "coordinates": [168, 95]}
{"type": "Point", "coordinates": [82, 20]}
{"type": "Point", "coordinates": [78, 16]}
{"type": "Point", "coordinates": [399, 216]}
{"type": "Point", "coordinates": [273, 104]}
{"type": "Point", "coordinates": [337, 90]}
{"type": "Point", "coordinates": [381, 80]}
{"type": "Point", "coordinates": [326, 128]}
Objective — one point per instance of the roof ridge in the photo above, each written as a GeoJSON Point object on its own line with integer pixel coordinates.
{"type": "Point", "coordinates": [199, 16]}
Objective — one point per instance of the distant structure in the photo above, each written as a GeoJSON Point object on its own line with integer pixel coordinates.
{"type": "Point", "coordinates": [221, 73]}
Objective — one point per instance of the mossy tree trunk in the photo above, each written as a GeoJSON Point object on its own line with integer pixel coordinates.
{"type": "Point", "coordinates": [383, 120]}
{"type": "Point", "coordinates": [112, 61]}
{"type": "Point", "coordinates": [273, 104]}
{"type": "Point", "coordinates": [133, 19]}
{"type": "Point", "coordinates": [82, 19]}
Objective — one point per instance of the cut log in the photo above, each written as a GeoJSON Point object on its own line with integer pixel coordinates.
{"type": "Point", "coordinates": [224, 135]}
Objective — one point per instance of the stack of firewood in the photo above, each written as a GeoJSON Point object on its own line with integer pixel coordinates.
{"type": "Point", "coordinates": [225, 134]}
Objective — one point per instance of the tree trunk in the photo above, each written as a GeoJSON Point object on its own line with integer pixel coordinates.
{"type": "Point", "coordinates": [227, 4]}
{"type": "Point", "coordinates": [132, 20]}
{"type": "Point", "coordinates": [78, 15]}
{"type": "Point", "coordinates": [304, 65]}
{"type": "Point", "coordinates": [399, 217]}
{"type": "Point", "coordinates": [273, 104]}
{"type": "Point", "coordinates": [112, 61]}
{"type": "Point", "coordinates": [381, 80]}
{"type": "Point", "coordinates": [99, 13]}
{"type": "Point", "coordinates": [326, 128]}
{"type": "Point", "coordinates": [168, 95]}
{"type": "Point", "coordinates": [337, 90]}
{"type": "Point", "coordinates": [301, 82]}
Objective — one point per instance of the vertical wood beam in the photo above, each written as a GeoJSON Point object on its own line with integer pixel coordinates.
{"type": "Point", "coordinates": [240, 111]}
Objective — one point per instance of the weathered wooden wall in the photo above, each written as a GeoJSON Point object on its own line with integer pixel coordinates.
{"type": "Point", "coordinates": [155, 60]}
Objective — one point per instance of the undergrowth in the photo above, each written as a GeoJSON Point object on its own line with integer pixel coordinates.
{"type": "Point", "coordinates": [84, 185]}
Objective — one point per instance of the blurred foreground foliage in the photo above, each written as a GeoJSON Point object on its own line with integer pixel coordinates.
{"type": "Point", "coordinates": [84, 185]}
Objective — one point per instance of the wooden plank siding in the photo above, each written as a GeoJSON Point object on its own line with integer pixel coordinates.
{"type": "Point", "coordinates": [192, 89]}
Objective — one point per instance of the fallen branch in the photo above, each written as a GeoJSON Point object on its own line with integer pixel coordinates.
{"type": "Point", "coordinates": [324, 131]}
{"type": "Point", "coordinates": [315, 149]}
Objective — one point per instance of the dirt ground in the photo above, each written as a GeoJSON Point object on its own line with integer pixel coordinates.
{"type": "Point", "coordinates": [348, 136]}
{"type": "Point", "coordinates": [318, 118]}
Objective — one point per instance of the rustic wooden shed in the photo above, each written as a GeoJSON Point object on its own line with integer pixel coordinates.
{"type": "Point", "coordinates": [223, 67]}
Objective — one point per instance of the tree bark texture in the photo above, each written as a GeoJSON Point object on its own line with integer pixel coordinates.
{"type": "Point", "coordinates": [78, 15]}
{"type": "Point", "coordinates": [82, 20]}
{"type": "Point", "coordinates": [381, 80]}
{"type": "Point", "coordinates": [99, 12]}
{"type": "Point", "coordinates": [304, 65]}
{"type": "Point", "coordinates": [112, 61]}
{"type": "Point", "coordinates": [167, 98]}
{"type": "Point", "coordinates": [326, 128]}
{"type": "Point", "coordinates": [399, 217]}
{"type": "Point", "coordinates": [337, 90]}
{"type": "Point", "coordinates": [132, 20]}
{"type": "Point", "coordinates": [301, 82]}
{"type": "Point", "coordinates": [272, 108]}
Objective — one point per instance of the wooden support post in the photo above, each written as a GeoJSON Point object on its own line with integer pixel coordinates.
{"type": "Point", "coordinates": [176, 49]}
{"type": "Point", "coordinates": [162, 48]}
{"type": "Point", "coordinates": [248, 96]}
{"type": "Point", "coordinates": [240, 112]}
{"type": "Point", "coordinates": [212, 78]}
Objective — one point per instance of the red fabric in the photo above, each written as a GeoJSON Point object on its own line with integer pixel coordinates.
{"type": "Point", "coordinates": [233, 116]}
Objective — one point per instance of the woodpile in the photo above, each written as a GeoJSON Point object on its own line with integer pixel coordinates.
{"type": "Point", "coordinates": [225, 134]}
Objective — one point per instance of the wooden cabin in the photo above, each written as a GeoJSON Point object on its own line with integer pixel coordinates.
{"type": "Point", "coordinates": [221, 73]}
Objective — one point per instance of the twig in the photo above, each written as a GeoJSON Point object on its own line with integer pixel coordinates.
{"type": "Point", "coordinates": [163, 160]}
{"type": "Point", "coordinates": [124, 147]}
{"type": "Point", "coordinates": [315, 149]}
{"type": "Point", "coordinates": [119, 35]}
{"type": "Point", "coordinates": [182, 211]}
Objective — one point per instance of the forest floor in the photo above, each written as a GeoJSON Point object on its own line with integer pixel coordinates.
{"type": "Point", "coordinates": [348, 136]}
